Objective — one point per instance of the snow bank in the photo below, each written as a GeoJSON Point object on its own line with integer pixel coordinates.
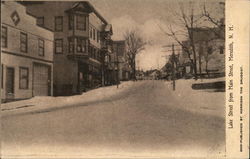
{"type": "Point", "coordinates": [202, 101]}
{"type": "Point", "coordinates": [46, 102]}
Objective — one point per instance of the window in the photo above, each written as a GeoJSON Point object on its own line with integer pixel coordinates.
{"type": "Point", "coordinates": [23, 42]}
{"type": "Point", "coordinates": [4, 37]}
{"type": "Point", "coordinates": [98, 36]}
{"type": "Point", "coordinates": [71, 22]}
{"type": "Point", "coordinates": [40, 21]}
{"type": "Point", "coordinates": [81, 22]}
{"type": "Point", "coordinates": [41, 47]}
{"type": "Point", "coordinates": [221, 50]}
{"type": "Point", "coordinates": [209, 50]}
{"type": "Point", "coordinates": [94, 34]}
{"type": "Point", "coordinates": [58, 23]}
{"type": "Point", "coordinates": [81, 43]}
{"type": "Point", "coordinates": [2, 76]}
{"type": "Point", "coordinates": [59, 46]}
{"type": "Point", "coordinates": [71, 45]}
{"type": "Point", "coordinates": [90, 32]}
{"type": "Point", "coordinates": [23, 78]}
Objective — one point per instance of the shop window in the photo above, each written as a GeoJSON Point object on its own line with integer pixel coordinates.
{"type": "Point", "coordinates": [59, 46]}
{"type": "Point", "coordinates": [41, 47]}
{"type": "Point", "coordinates": [4, 39]}
{"type": "Point", "coordinates": [80, 22]}
{"type": "Point", "coordinates": [23, 78]}
{"type": "Point", "coordinates": [58, 23]}
{"type": "Point", "coordinates": [23, 42]}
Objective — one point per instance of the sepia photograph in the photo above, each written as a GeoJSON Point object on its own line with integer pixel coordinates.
{"type": "Point", "coordinates": [113, 79]}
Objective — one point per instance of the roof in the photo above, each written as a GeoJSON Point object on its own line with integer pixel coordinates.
{"type": "Point", "coordinates": [108, 28]}
{"type": "Point", "coordinates": [91, 7]}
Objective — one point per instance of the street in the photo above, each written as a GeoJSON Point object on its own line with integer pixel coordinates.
{"type": "Point", "coordinates": [145, 118]}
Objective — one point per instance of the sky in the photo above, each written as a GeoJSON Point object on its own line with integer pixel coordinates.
{"type": "Point", "coordinates": [150, 17]}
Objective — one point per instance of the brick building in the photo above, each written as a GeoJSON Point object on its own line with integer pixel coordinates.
{"type": "Point", "coordinates": [80, 49]}
{"type": "Point", "coordinates": [26, 54]}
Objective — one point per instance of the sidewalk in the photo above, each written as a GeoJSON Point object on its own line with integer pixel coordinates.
{"type": "Point", "coordinates": [47, 103]}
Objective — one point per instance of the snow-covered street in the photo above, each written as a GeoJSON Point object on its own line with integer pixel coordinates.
{"type": "Point", "coordinates": [139, 119]}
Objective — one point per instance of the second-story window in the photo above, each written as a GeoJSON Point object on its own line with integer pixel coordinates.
{"type": "Point", "coordinates": [59, 46]}
{"type": "Point", "coordinates": [81, 45]}
{"type": "Point", "coordinates": [71, 22]}
{"type": "Point", "coordinates": [41, 47]}
{"type": "Point", "coordinates": [4, 39]}
{"type": "Point", "coordinates": [23, 42]}
{"type": "Point", "coordinates": [80, 22]}
{"type": "Point", "coordinates": [71, 45]}
{"type": "Point", "coordinates": [40, 21]}
{"type": "Point", "coordinates": [210, 50]}
{"type": "Point", "coordinates": [58, 23]}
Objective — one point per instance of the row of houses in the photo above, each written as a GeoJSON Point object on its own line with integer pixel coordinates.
{"type": "Point", "coordinates": [57, 48]}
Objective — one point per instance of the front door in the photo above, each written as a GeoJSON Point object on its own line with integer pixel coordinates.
{"type": "Point", "coordinates": [10, 76]}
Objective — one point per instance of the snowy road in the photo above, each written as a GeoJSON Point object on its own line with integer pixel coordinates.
{"type": "Point", "coordinates": [145, 118]}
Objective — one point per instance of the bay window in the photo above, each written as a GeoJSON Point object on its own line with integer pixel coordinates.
{"type": "Point", "coordinates": [71, 22]}
{"type": "Point", "coordinates": [80, 22]}
{"type": "Point", "coordinates": [71, 45]}
{"type": "Point", "coordinates": [81, 45]}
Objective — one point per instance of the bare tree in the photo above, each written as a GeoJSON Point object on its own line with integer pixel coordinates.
{"type": "Point", "coordinates": [188, 21]}
{"type": "Point", "coordinates": [135, 44]}
{"type": "Point", "coordinates": [219, 23]}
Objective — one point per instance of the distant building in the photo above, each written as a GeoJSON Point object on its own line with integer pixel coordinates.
{"type": "Point", "coordinates": [108, 64]}
{"type": "Point", "coordinates": [26, 55]}
{"type": "Point", "coordinates": [210, 53]}
{"type": "Point", "coordinates": [119, 50]}
{"type": "Point", "coordinates": [80, 50]}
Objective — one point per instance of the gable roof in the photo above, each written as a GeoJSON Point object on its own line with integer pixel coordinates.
{"type": "Point", "coordinates": [90, 8]}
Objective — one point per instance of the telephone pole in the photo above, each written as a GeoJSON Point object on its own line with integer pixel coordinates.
{"type": "Point", "coordinates": [173, 66]}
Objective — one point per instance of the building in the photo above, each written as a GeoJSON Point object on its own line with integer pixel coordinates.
{"type": "Point", "coordinates": [210, 53]}
{"type": "Point", "coordinates": [78, 56]}
{"type": "Point", "coordinates": [26, 55]}
{"type": "Point", "coordinates": [119, 50]}
{"type": "Point", "coordinates": [107, 56]}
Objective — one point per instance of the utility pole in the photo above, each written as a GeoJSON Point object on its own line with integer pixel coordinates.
{"type": "Point", "coordinates": [173, 66]}
{"type": "Point", "coordinates": [117, 74]}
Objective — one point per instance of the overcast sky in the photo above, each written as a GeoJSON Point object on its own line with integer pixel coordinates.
{"type": "Point", "coordinates": [147, 16]}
